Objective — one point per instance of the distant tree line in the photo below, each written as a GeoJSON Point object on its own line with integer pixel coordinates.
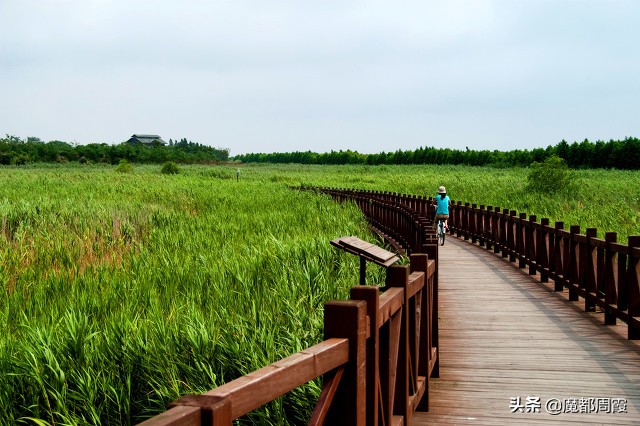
{"type": "Point", "coordinates": [14, 150]}
{"type": "Point", "coordinates": [624, 154]}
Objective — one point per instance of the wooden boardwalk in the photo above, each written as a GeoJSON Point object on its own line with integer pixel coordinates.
{"type": "Point", "coordinates": [504, 336]}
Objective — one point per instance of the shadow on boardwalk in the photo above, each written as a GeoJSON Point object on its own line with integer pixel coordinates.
{"type": "Point", "coordinates": [504, 336]}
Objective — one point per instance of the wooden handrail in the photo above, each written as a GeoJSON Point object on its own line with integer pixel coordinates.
{"type": "Point", "coordinates": [255, 389]}
{"type": "Point", "coordinates": [600, 270]}
{"type": "Point", "coordinates": [380, 347]}
{"type": "Point", "coordinates": [406, 220]}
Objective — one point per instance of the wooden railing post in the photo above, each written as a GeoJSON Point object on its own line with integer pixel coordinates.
{"type": "Point", "coordinates": [610, 278]}
{"type": "Point", "coordinates": [495, 229]}
{"type": "Point", "coordinates": [588, 281]}
{"type": "Point", "coordinates": [623, 300]}
{"type": "Point", "coordinates": [504, 226]}
{"type": "Point", "coordinates": [488, 223]}
{"type": "Point", "coordinates": [542, 250]}
{"type": "Point", "coordinates": [434, 328]}
{"type": "Point", "coordinates": [398, 276]}
{"type": "Point", "coordinates": [521, 240]}
{"type": "Point", "coordinates": [572, 275]}
{"type": "Point", "coordinates": [347, 319]}
{"type": "Point", "coordinates": [363, 270]}
{"type": "Point", "coordinates": [371, 295]}
{"type": "Point", "coordinates": [465, 221]}
{"type": "Point", "coordinates": [511, 238]}
{"type": "Point", "coordinates": [558, 258]}
{"type": "Point", "coordinates": [473, 223]}
{"type": "Point", "coordinates": [480, 229]}
{"type": "Point", "coordinates": [424, 350]}
{"type": "Point", "coordinates": [459, 220]}
{"type": "Point", "coordinates": [531, 244]}
{"type": "Point", "coordinates": [633, 290]}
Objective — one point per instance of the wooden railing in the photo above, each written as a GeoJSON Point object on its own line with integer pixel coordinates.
{"type": "Point", "coordinates": [379, 353]}
{"type": "Point", "coordinates": [601, 271]}
{"type": "Point", "coordinates": [403, 219]}
{"type": "Point", "coordinates": [381, 346]}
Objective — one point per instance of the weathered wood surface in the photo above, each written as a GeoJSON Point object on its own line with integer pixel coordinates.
{"type": "Point", "coordinates": [504, 335]}
{"type": "Point", "coordinates": [369, 251]}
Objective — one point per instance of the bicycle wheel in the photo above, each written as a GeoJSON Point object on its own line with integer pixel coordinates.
{"type": "Point", "coordinates": [441, 233]}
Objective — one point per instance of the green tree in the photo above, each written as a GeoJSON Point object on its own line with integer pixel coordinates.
{"type": "Point", "coordinates": [124, 167]}
{"type": "Point", "coordinates": [551, 176]}
{"type": "Point", "coordinates": [170, 168]}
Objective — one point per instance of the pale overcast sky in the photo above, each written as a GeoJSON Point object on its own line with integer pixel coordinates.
{"type": "Point", "coordinates": [274, 76]}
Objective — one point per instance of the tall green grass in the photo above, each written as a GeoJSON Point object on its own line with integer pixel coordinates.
{"type": "Point", "coordinates": [605, 199]}
{"type": "Point", "coordinates": [123, 292]}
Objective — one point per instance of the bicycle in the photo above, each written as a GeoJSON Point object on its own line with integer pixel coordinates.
{"type": "Point", "coordinates": [441, 232]}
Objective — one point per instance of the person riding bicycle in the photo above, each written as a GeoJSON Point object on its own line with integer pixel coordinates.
{"type": "Point", "coordinates": [442, 202]}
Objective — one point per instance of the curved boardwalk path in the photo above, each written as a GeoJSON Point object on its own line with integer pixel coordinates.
{"type": "Point", "coordinates": [503, 335]}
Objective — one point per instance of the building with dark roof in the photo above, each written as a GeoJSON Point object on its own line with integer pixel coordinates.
{"type": "Point", "coordinates": [147, 140]}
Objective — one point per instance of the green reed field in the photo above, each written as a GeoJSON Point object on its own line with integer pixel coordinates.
{"type": "Point", "coordinates": [605, 199]}
{"type": "Point", "coordinates": [123, 292]}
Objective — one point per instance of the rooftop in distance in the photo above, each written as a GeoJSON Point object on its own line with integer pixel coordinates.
{"type": "Point", "coordinates": [146, 139]}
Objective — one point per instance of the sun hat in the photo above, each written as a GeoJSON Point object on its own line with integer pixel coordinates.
{"type": "Point", "coordinates": [442, 190]}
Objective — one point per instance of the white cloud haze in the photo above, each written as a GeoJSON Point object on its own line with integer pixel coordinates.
{"type": "Point", "coordinates": [273, 76]}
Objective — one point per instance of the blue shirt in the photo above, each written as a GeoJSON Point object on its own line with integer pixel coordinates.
{"type": "Point", "coordinates": [443, 204]}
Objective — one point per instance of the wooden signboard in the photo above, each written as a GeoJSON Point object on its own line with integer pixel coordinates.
{"type": "Point", "coordinates": [367, 252]}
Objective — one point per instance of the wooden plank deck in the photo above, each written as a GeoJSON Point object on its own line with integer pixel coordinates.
{"type": "Point", "coordinates": [504, 335]}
